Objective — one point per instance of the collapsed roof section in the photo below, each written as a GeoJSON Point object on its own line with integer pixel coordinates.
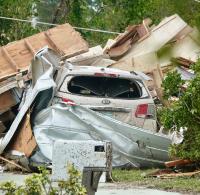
{"type": "Point", "coordinates": [150, 50]}
{"type": "Point", "coordinates": [15, 57]}
{"type": "Point", "coordinates": [155, 50]}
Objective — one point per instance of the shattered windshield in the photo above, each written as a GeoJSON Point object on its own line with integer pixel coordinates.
{"type": "Point", "coordinates": [105, 87]}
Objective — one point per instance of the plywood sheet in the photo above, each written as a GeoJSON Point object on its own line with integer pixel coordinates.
{"type": "Point", "coordinates": [24, 140]}
{"type": "Point", "coordinates": [7, 100]}
{"type": "Point", "coordinates": [16, 56]}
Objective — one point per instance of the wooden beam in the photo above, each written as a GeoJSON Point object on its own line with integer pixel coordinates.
{"type": "Point", "coordinates": [9, 58]}
{"type": "Point", "coordinates": [177, 163]}
{"type": "Point", "coordinates": [120, 50]}
{"type": "Point", "coordinates": [29, 46]}
{"type": "Point", "coordinates": [158, 81]}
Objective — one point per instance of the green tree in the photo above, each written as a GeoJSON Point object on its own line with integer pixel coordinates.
{"type": "Point", "coordinates": [13, 30]}
{"type": "Point", "coordinates": [114, 15]}
{"type": "Point", "coordinates": [186, 113]}
{"type": "Point", "coordinates": [111, 15]}
{"type": "Point", "coordinates": [172, 84]}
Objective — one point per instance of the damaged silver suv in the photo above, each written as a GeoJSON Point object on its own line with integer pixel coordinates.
{"type": "Point", "coordinates": [118, 94]}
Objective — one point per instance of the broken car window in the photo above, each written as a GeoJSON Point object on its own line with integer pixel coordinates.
{"type": "Point", "coordinates": [105, 87]}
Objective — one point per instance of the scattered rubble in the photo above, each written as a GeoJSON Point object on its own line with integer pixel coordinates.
{"type": "Point", "coordinates": [16, 57]}
{"type": "Point", "coordinates": [177, 168]}
{"type": "Point", "coordinates": [54, 119]}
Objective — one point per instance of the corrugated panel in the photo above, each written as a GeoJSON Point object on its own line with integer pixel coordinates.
{"type": "Point", "coordinates": [16, 56]}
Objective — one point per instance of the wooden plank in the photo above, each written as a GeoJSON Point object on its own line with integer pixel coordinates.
{"type": "Point", "coordinates": [8, 86]}
{"type": "Point", "coordinates": [177, 162]}
{"type": "Point", "coordinates": [28, 44]}
{"type": "Point", "coordinates": [128, 34]}
{"type": "Point", "coordinates": [119, 50]}
{"type": "Point", "coordinates": [183, 61]}
{"type": "Point", "coordinates": [158, 81]}
{"type": "Point", "coordinates": [143, 31]}
{"type": "Point", "coordinates": [24, 141]}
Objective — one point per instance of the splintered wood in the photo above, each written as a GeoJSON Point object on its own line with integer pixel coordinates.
{"type": "Point", "coordinates": [16, 56]}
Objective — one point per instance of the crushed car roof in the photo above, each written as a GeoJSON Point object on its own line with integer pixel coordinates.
{"type": "Point", "coordinates": [90, 70]}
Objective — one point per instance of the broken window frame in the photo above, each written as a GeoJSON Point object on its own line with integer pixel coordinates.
{"type": "Point", "coordinates": [64, 87]}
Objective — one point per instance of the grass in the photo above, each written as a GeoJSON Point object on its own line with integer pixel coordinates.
{"type": "Point", "coordinates": [141, 178]}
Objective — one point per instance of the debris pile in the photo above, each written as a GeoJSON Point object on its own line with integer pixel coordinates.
{"type": "Point", "coordinates": [177, 168]}
{"type": "Point", "coordinates": [36, 108]}
{"type": "Point", "coordinates": [16, 57]}
{"type": "Point", "coordinates": [43, 119]}
{"type": "Point", "coordinates": [150, 49]}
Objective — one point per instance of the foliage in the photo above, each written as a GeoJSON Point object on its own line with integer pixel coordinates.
{"type": "Point", "coordinates": [114, 15]}
{"type": "Point", "coordinates": [111, 15]}
{"type": "Point", "coordinates": [165, 117]}
{"type": "Point", "coordinates": [186, 113]}
{"type": "Point", "coordinates": [72, 185]}
{"type": "Point", "coordinates": [14, 30]}
{"type": "Point", "coordinates": [39, 184]}
{"type": "Point", "coordinates": [172, 84]}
